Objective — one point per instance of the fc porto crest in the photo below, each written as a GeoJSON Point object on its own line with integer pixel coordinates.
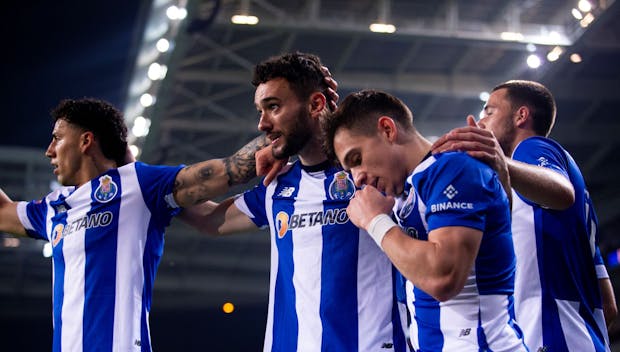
{"type": "Point", "coordinates": [408, 206]}
{"type": "Point", "coordinates": [106, 190]}
{"type": "Point", "coordinates": [341, 188]}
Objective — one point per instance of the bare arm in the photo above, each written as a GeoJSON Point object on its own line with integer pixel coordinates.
{"type": "Point", "coordinates": [610, 309]}
{"type": "Point", "coordinates": [217, 219]}
{"type": "Point", "coordinates": [439, 266]}
{"type": "Point", "coordinates": [205, 180]}
{"type": "Point", "coordinates": [541, 185]}
{"type": "Point", "coordinates": [9, 221]}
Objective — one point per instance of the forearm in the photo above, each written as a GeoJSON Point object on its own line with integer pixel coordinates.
{"type": "Point", "coordinates": [427, 264]}
{"type": "Point", "coordinates": [215, 219]}
{"type": "Point", "coordinates": [201, 217]}
{"type": "Point", "coordinates": [541, 185]}
{"type": "Point", "coordinates": [206, 180]}
{"type": "Point", "coordinates": [504, 178]}
{"type": "Point", "coordinates": [241, 166]}
{"type": "Point", "coordinates": [610, 309]}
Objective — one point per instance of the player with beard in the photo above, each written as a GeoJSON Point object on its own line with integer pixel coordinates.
{"type": "Point", "coordinates": [331, 288]}
{"type": "Point", "coordinates": [563, 294]}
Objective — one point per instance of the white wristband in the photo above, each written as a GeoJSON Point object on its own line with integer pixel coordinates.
{"type": "Point", "coordinates": [379, 226]}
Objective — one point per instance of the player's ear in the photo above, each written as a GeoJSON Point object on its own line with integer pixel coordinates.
{"type": "Point", "coordinates": [87, 140]}
{"type": "Point", "coordinates": [317, 103]}
{"type": "Point", "coordinates": [387, 128]}
{"type": "Point", "coordinates": [523, 115]}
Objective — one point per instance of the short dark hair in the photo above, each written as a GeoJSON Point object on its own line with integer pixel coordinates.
{"type": "Point", "coordinates": [102, 119]}
{"type": "Point", "coordinates": [359, 113]}
{"type": "Point", "coordinates": [301, 70]}
{"type": "Point", "coordinates": [537, 98]}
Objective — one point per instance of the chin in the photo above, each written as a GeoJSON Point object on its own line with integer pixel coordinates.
{"type": "Point", "coordinates": [279, 153]}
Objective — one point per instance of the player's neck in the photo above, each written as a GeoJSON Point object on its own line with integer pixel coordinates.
{"type": "Point", "coordinates": [92, 167]}
{"type": "Point", "coordinates": [418, 147]}
{"type": "Point", "coordinates": [312, 153]}
{"type": "Point", "coordinates": [520, 136]}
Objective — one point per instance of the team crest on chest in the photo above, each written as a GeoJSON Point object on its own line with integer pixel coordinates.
{"type": "Point", "coordinates": [341, 188]}
{"type": "Point", "coordinates": [106, 190]}
{"type": "Point", "coordinates": [408, 206]}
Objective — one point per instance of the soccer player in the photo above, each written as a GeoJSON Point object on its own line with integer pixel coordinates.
{"type": "Point", "coordinates": [331, 288]}
{"type": "Point", "coordinates": [453, 244]}
{"type": "Point", "coordinates": [106, 224]}
{"type": "Point", "coordinates": [560, 273]}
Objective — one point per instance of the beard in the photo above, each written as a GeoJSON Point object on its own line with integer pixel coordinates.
{"type": "Point", "coordinates": [506, 138]}
{"type": "Point", "coordinates": [295, 139]}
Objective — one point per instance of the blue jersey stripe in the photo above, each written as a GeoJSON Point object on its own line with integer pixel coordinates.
{"type": "Point", "coordinates": [427, 318]}
{"type": "Point", "coordinates": [285, 323]}
{"type": "Point", "coordinates": [100, 268]}
{"type": "Point", "coordinates": [398, 333]}
{"type": "Point", "coordinates": [340, 248]}
{"type": "Point", "coordinates": [153, 251]}
{"type": "Point", "coordinates": [59, 220]}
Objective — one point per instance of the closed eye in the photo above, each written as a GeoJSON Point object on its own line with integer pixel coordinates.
{"type": "Point", "coordinates": [352, 160]}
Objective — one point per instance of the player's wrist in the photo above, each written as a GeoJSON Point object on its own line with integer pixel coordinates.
{"type": "Point", "coordinates": [379, 227]}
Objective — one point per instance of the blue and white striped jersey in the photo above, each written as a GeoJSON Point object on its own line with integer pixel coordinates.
{"type": "Point", "coordinates": [453, 189]}
{"type": "Point", "coordinates": [107, 238]}
{"type": "Point", "coordinates": [557, 296]}
{"type": "Point", "coordinates": [331, 287]}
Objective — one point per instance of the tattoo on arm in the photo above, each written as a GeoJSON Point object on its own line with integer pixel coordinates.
{"type": "Point", "coordinates": [198, 194]}
{"type": "Point", "coordinates": [241, 166]}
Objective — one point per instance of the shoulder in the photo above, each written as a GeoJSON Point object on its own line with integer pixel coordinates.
{"type": "Point", "coordinates": [537, 143]}
{"type": "Point", "coordinates": [540, 151]}
{"type": "Point", "coordinates": [449, 162]}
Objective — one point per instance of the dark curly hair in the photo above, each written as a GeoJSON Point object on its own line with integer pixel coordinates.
{"type": "Point", "coordinates": [301, 70]}
{"type": "Point", "coordinates": [359, 113]}
{"type": "Point", "coordinates": [99, 117]}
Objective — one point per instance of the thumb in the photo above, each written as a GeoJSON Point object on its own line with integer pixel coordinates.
{"type": "Point", "coordinates": [273, 172]}
{"type": "Point", "coordinates": [471, 121]}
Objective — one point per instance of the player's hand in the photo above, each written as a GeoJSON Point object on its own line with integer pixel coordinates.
{"type": "Point", "coordinates": [267, 165]}
{"type": "Point", "coordinates": [367, 203]}
{"type": "Point", "coordinates": [332, 87]}
{"type": "Point", "coordinates": [476, 141]}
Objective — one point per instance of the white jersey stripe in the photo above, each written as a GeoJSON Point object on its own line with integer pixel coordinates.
{"type": "Point", "coordinates": [274, 264]}
{"type": "Point", "coordinates": [74, 280]}
{"type": "Point", "coordinates": [135, 217]}
{"type": "Point", "coordinates": [307, 258]}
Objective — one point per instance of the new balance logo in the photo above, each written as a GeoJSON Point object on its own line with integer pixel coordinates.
{"type": "Point", "coordinates": [465, 332]}
{"type": "Point", "coordinates": [286, 192]}
{"type": "Point", "coordinates": [387, 345]}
